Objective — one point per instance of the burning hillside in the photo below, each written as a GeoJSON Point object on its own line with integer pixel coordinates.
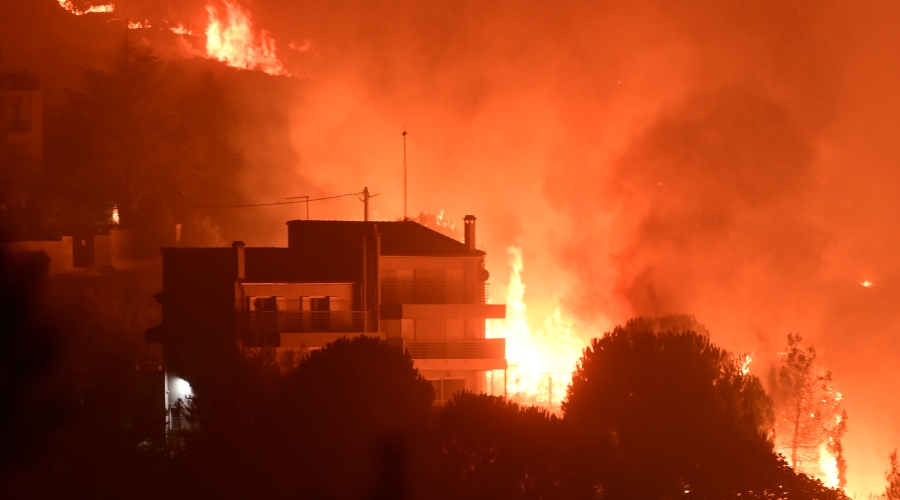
{"type": "Point", "coordinates": [230, 34]}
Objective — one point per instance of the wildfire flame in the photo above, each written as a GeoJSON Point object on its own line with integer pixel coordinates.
{"type": "Point", "coordinates": [233, 41]}
{"type": "Point", "coordinates": [69, 6]}
{"type": "Point", "coordinates": [828, 464]}
{"type": "Point", "coordinates": [746, 359]}
{"type": "Point", "coordinates": [181, 30]}
{"type": "Point", "coordinates": [134, 25]}
{"type": "Point", "coordinates": [866, 283]}
{"type": "Point", "coordinates": [541, 361]}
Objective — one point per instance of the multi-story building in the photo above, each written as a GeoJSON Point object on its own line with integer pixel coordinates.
{"type": "Point", "coordinates": [400, 281]}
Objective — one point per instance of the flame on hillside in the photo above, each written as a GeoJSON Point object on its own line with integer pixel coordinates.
{"type": "Point", "coordinates": [541, 361]}
{"type": "Point", "coordinates": [69, 6]}
{"type": "Point", "coordinates": [181, 30]}
{"type": "Point", "coordinates": [746, 359]}
{"type": "Point", "coordinates": [233, 41]}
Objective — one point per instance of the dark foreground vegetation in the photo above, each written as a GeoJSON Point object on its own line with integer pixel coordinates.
{"type": "Point", "coordinates": [655, 410]}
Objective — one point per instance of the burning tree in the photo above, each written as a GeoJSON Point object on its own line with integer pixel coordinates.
{"type": "Point", "coordinates": [892, 492]}
{"type": "Point", "coordinates": [810, 421]}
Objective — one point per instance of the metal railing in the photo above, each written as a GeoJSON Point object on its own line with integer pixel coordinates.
{"type": "Point", "coordinates": [456, 349]}
{"type": "Point", "coordinates": [268, 322]}
{"type": "Point", "coordinates": [434, 293]}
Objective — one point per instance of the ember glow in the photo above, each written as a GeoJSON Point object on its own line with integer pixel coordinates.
{"type": "Point", "coordinates": [69, 6]}
{"type": "Point", "coordinates": [746, 359]}
{"type": "Point", "coordinates": [181, 30]}
{"type": "Point", "coordinates": [867, 284]}
{"type": "Point", "coordinates": [541, 361]}
{"type": "Point", "coordinates": [135, 25]}
{"type": "Point", "coordinates": [233, 41]}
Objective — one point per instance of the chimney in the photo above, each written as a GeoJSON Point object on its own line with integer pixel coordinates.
{"type": "Point", "coordinates": [469, 222]}
{"type": "Point", "coordinates": [239, 246]}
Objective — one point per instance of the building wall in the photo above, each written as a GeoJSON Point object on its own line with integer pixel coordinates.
{"type": "Point", "coordinates": [294, 291]}
{"type": "Point", "coordinates": [60, 252]}
{"type": "Point", "coordinates": [464, 271]}
{"type": "Point", "coordinates": [199, 301]}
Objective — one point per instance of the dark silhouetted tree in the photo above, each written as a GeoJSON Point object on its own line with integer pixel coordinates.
{"type": "Point", "coordinates": [347, 422]}
{"type": "Point", "coordinates": [144, 135]}
{"type": "Point", "coordinates": [808, 408]}
{"type": "Point", "coordinates": [490, 448]}
{"type": "Point", "coordinates": [680, 414]}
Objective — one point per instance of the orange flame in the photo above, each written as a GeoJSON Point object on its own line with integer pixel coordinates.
{"type": "Point", "coordinates": [541, 361]}
{"type": "Point", "coordinates": [828, 466]}
{"type": "Point", "coordinates": [181, 30]}
{"type": "Point", "coordinates": [69, 6]}
{"type": "Point", "coordinates": [746, 359]}
{"type": "Point", "coordinates": [233, 41]}
{"type": "Point", "coordinates": [134, 25]}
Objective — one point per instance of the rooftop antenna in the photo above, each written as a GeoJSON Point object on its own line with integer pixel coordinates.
{"type": "Point", "coordinates": [404, 173]}
{"type": "Point", "coordinates": [307, 202]}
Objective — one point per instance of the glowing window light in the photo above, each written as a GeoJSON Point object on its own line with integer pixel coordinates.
{"type": "Point", "coordinates": [182, 386]}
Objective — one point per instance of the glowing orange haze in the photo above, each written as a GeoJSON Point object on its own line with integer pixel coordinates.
{"type": "Point", "coordinates": [730, 160]}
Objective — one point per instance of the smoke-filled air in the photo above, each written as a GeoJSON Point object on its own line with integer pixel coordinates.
{"type": "Point", "coordinates": [733, 161]}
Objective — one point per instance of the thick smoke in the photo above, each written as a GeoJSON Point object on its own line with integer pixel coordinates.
{"type": "Point", "coordinates": [729, 160]}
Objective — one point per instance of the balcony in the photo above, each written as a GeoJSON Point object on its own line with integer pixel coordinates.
{"type": "Point", "coordinates": [480, 354]}
{"type": "Point", "coordinates": [456, 349]}
{"type": "Point", "coordinates": [435, 293]}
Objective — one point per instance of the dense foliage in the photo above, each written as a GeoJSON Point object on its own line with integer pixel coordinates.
{"type": "Point", "coordinates": [655, 410]}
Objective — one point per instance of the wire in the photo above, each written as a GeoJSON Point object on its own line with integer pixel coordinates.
{"type": "Point", "coordinates": [197, 160]}
{"type": "Point", "coordinates": [176, 205]}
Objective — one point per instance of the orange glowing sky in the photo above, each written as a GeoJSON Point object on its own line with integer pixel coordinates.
{"type": "Point", "coordinates": [729, 160]}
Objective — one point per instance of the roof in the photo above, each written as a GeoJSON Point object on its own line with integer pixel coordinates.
{"type": "Point", "coordinates": [398, 238]}
{"type": "Point", "coordinates": [261, 264]}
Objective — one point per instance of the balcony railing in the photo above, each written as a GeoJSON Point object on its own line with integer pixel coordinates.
{"type": "Point", "coordinates": [435, 293]}
{"type": "Point", "coordinates": [456, 349]}
{"type": "Point", "coordinates": [269, 322]}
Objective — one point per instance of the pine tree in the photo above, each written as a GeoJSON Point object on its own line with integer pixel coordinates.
{"type": "Point", "coordinates": [809, 417]}
{"type": "Point", "coordinates": [893, 478]}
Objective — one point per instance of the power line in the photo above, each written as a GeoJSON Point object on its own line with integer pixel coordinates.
{"type": "Point", "coordinates": [177, 205]}
{"type": "Point", "coordinates": [176, 161]}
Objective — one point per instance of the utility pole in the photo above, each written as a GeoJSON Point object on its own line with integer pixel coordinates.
{"type": "Point", "coordinates": [366, 204]}
{"type": "Point", "coordinates": [404, 172]}
{"type": "Point", "coordinates": [365, 199]}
